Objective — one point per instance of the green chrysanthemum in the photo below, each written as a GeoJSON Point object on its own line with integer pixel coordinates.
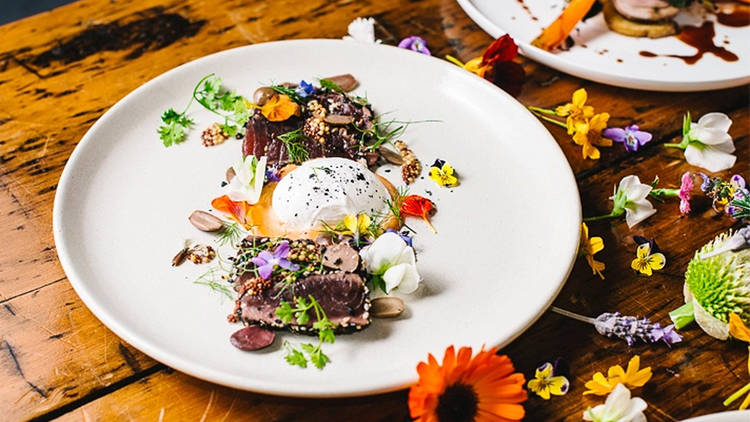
{"type": "Point", "coordinates": [716, 284]}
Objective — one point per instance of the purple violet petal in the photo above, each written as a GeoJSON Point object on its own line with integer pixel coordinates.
{"type": "Point", "coordinates": [282, 251]}
{"type": "Point", "coordinates": [288, 265]}
{"type": "Point", "coordinates": [615, 133]}
{"type": "Point", "coordinates": [265, 271]}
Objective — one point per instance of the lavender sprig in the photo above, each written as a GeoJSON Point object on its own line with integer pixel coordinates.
{"type": "Point", "coordinates": [628, 328]}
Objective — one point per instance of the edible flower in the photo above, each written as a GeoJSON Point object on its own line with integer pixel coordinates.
{"type": "Point", "coordinates": [732, 196]}
{"type": "Point", "coordinates": [267, 262]}
{"type": "Point", "coordinates": [646, 261]}
{"type": "Point", "coordinates": [418, 206]}
{"type": "Point", "coordinates": [237, 210]}
{"type": "Point", "coordinates": [249, 176]}
{"type": "Point", "coordinates": [497, 65]}
{"type": "Point", "coordinates": [739, 330]}
{"type": "Point", "coordinates": [576, 111]}
{"type": "Point", "coordinates": [545, 382]}
{"type": "Point", "coordinates": [357, 224]}
{"type": "Point", "coordinates": [405, 237]}
{"type": "Point", "coordinates": [415, 43]}
{"type": "Point", "coordinates": [442, 173]}
{"type": "Point", "coordinates": [590, 247]}
{"type": "Point", "coordinates": [273, 175]}
{"type": "Point", "coordinates": [279, 108]}
{"type": "Point", "coordinates": [634, 377]}
{"type": "Point", "coordinates": [482, 388]}
{"type": "Point", "coordinates": [619, 407]}
{"type": "Point", "coordinates": [685, 192]}
{"type": "Point", "coordinates": [630, 199]}
{"type": "Point", "coordinates": [362, 30]}
{"type": "Point", "coordinates": [392, 263]}
{"type": "Point", "coordinates": [630, 136]}
{"type": "Point", "coordinates": [742, 391]}
{"type": "Point", "coordinates": [589, 135]}
{"type": "Point", "coordinates": [304, 89]}
{"type": "Point", "coordinates": [707, 143]}
{"type": "Point", "coordinates": [628, 328]}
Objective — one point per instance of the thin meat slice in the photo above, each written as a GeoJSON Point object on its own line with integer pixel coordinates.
{"type": "Point", "coordinates": [252, 338]}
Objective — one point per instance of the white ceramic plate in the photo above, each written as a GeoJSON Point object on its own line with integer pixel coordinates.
{"type": "Point", "coordinates": [615, 59]}
{"type": "Point", "coordinates": [736, 416]}
{"type": "Point", "coordinates": [507, 236]}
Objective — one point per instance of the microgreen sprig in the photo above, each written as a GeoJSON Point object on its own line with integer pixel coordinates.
{"type": "Point", "coordinates": [296, 152]}
{"type": "Point", "coordinates": [325, 327]}
{"type": "Point", "coordinates": [330, 85]}
{"type": "Point", "coordinates": [289, 92]}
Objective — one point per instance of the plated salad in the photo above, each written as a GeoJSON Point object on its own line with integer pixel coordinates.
{"type": "Point", "coordinates": [320, 242]}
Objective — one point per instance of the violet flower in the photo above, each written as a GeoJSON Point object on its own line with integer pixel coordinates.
{"type": "Point", "coordinates": [653, 247]}
{"type": "Point", "coordinates": [415, 43]}
{"type": "Point", "coordinates": [628, 328]}
{"type": "Point", "coordinates": [406, 238]}
{"type": "Point", "coordinates": [630, 136]}
{"type": "Point", "coordinates": [273, 175]}
{"type": "Point", "coordinates": [304, 89]}
{"type": "Point", "coordinates": [267, 262]}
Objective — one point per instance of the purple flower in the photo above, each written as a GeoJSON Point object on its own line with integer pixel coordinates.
{"type": "Point", "coordinates": [737, 181]}
{"type": "Point", "coordinates": [707, 184]}
{"type": "Point", "coordinates": [415, 43]}
{"type": "Point", "coordinates": [266, 262]}
{"type": "Point", "coordinates": [406, 238]}
{"type": "Point", "coordinates": [304, 89]}
{"type": "Point", "coordinates": [630, 329]}
{"type": "Point", "coordinates": [686, 188]}
{"type": "Point", "coordinates": [630, 136]}
{"type": "Point", "coordinates": [273, 175]}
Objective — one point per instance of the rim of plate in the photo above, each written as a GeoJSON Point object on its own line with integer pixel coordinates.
{"type": "Point", "coordinates": [573, 68]}
{"type": "Point", "coordinates": [206, 372]}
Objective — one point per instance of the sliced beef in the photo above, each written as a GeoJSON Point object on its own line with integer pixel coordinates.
{"type": "Point", "coordinates": [343, 297]}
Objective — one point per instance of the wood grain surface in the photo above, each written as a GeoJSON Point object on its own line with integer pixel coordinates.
{"type": "Point", "coordinates": [61, 70]}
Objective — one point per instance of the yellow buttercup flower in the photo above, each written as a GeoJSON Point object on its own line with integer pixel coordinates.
{"type": "Point", "coordinates": [442, 173]}
{"type": "Point", "coordinates": [738, 329]}
{"type": "Point", "coordinates": [588, 133]}
{"type": "Point", "coordinates": [589, 247]}
{"type": "Point", "coordinates": [545, 383]}
{"type": "Point", "coordinates": [357, 224]}
{"type": "Point", "coordinates": [576, 111]}
{"type": "Point", "coordinates": [646, 262]}
{"type": "Point", "coordinates": [632, 378]}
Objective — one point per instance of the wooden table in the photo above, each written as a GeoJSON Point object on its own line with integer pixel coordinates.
{"type": "Point", "coordinates": [61, 70]}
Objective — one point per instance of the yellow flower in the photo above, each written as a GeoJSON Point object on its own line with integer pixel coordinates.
{"type": "Point", "coordinates": [545, 383]}
{"type": "Point", "coordinates": [744, 390]}
{"type": "Point", "coordinates": [588, 133]}
{"type": "Point", "coordinates": [645, 262]}
{"type": "Point", "coordinates": [443, 174]}
{"type": "Point", "coordinates": [279, 108]}
{"type": "Point", "coordinates": [475, 66]}
{"type": "Point", "coordinates": [357, 224]}
{"type": "Point", "coordinates": [576, 111]}
{"type": "Point", "coordinates": [738, 329]}
{"type": "Point", "coordinates": [632, 378]}
{"type": "Point", "coordinates": [589, 247]}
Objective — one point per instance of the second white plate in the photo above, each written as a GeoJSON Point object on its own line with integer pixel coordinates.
{"type": "Point", "coordinates": [604, 56]}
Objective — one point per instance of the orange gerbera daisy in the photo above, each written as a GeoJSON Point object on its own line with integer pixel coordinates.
{"type": "Point", "coordinates": [465, 389]}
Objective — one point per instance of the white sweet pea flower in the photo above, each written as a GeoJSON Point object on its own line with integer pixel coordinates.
{"type": "Point", "coordinates": [618, 407]}
{"type": "Point", "coordinates": [247, 183]}
{"type": "Point", "coordinates": [362, 30]}
{"type": "Point", "coordinates": [391, 259]}
{"type": "Point", "coordinates": [707, 143]}
{"type": "Point", "coordinates": [630, 198]}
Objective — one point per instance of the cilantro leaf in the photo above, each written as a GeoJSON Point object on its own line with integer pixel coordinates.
{"type": "Point", "coordinates": [296, 358]}
{"type": "Point", "coordinates": [319, 359]}
{"type": "Point", "coordinates": [326, 335]}
{"type": "Point", "coordinates": [174, 127]}
{"type": "Point", "coordinates": [284, 312]}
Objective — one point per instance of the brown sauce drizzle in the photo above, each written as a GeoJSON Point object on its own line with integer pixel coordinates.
{"type": "Point", "coordinates": [702, 38]}
{"type": "Point", "coordinates": [526, 8]}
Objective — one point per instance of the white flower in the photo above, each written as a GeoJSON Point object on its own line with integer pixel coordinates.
{"type": "Point", "coordinates": [631, 196]}
{"type": "Point", "coordinates": [709, 145]}
{"type": "Point", "coordinates": [618, 407]}
{"type": "Point", "coordinates": [392, 259]}
{"type": "Point", "coordinates": [362, 30]}
{"type": "Point", "coordinates": [247, 183]}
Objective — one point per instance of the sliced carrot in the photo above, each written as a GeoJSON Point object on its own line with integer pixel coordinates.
{"type": "Point", "coordinates": [555, 33]}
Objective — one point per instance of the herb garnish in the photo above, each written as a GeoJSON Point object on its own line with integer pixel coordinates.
{"type": "Point", "coordinates": [230, 234]}
{"type": "Point", "coordinates": [289, 92]}
{"type": "Point", "coordinates": [295, 150]}
{"type": "Point", "coordinates": [216, 281]}
{"type": "Point", "coordinates": [314, 353]}
{"type": "Point", "coordinates": [210, 93]}
{"type": "Point", "coordinates": [330, 85]}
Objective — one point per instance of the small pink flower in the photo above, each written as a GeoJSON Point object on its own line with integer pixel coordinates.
{"type": "Point", "coordinates": [686, 187]}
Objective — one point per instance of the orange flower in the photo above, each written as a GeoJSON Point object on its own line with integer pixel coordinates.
{"type": "Point", "coordinates": [480, 389]}
{"type": "Point", "coordinates": [279, 108]}
{"type": "Point", "coordinates": [237, 211]}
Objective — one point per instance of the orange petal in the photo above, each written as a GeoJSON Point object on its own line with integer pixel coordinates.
{"type": "Point", "coordinates": [237, 211]}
